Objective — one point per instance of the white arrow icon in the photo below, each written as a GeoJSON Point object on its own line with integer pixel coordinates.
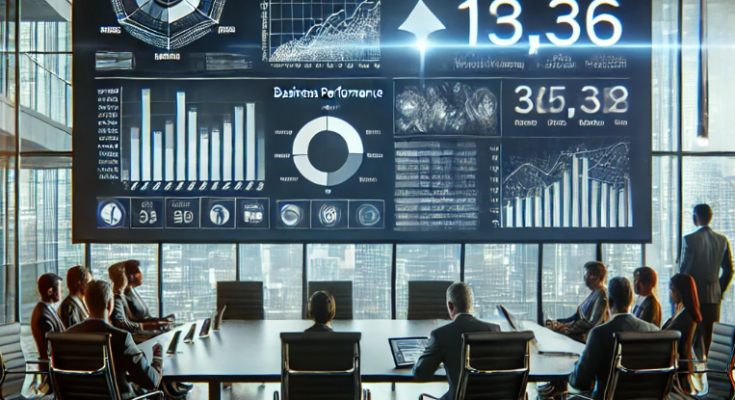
{"type": "Point", "coordinates": [422, 23]}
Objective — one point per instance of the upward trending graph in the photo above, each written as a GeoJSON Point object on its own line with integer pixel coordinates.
{"type": "Point", "coordinates": [324, 31]}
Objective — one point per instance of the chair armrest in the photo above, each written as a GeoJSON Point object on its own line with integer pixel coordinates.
{"type": "Point", "coordinates": [275, 395]}
{"type": "Point", "coordinates": [37, 362]}
{"type": "Point", "coordinates": [158, 394]}
{"type": "Point", "coordinates": [424, 395]}
{"type": "Point", "coordinates": [25, 372]}
{"type": "Point", "coordinates": [365, 394]}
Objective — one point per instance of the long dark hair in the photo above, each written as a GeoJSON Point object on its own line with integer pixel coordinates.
{"type": "Point", "coordinates": [684, 283]}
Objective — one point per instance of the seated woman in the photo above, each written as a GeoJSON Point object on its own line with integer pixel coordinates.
{"type": "Point", "coordinates": [646, 307]}
{"type": "Point", "coordinates": [322, 309]}
{"type": "Point", "coordinates": [138, 309]}
{"type": "Point", "coordinates": [73, 310]}
{"type": "Point", "coordinates": [683, 293]}
{"type": "Point", "coordinates": [120, 317]}
{"type": "Point", "coordinates": [593, 310]}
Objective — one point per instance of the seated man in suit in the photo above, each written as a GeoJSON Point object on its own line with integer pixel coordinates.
{"type": "Point", "coordinates": [322, 309]}
{"type": "Point", "coordinates": [73, 310]}
{"type": "Point", "coordinates": [593, 368]}
{"type": "Point", "coordinates": [646, 306]}
{"type": "Point", "coordinates": [45, 318]}
{"type": "Point", "coordinates": [445, 344]}
{"type": "Point", "coordinates": [130, 363]}
{"type": "Point", "coordinates": [593, 310]}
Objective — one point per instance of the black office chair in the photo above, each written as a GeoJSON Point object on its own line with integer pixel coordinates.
{"type": "Point", "coordinates": [13, 364]}
{"type": "Point", "coordinates": [718, 367]}
{"type": "Point", "coordinates": [495, 366]}
{"type": "Point", "coordinates": [643, 366]}
{"type": "Point", "coordinates": [321, 366]}
{"type": "Point", "coordinates": [428, 299]}
{"type": "Point", "coordinates": [244, 300]}
{"type": "Point", "coordinates": [342, 292]}
{"type": "Point", "coordinates": [82, 368]}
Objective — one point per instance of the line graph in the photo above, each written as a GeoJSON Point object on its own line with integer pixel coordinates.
{"type": "Point", "coordinates": [324, 31]}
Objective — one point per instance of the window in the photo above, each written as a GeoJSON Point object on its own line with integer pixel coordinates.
{"type": "Point", "coordinates": [622, 259]}
{"type": "Point", "coordinates": [665, 75]}
{"type": "Point", "coordinates": [503, 274]}
{"type": "Point", "coordinates": [662, 253]}
{"type": "Point", "coordinates": [563, 278]}
{"type": "Point", "coordinates": [104, 255]}
{"type": "Point", "coordinates": [279, 267]}
{"type": "Point", "coordinates": [711, 180]}
{"type": "Point", "coordinates": [190, 275]}
{"type": "Point", "coordinates": [419, 262]}
{"type": "Point", "coordinates": [368, 266]}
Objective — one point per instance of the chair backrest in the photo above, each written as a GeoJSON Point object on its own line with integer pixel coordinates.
{"type": "Point", "coordinates": [495, 366]}
{"type": "Point", "coordinates": [428, 299]}
{"type": "Point", "coordinates": [643, 365]}
{"type": "Point", "coordinates": [81, 366]}
{"type": "Point", "coordinates": [244, 300]}
{"type": "Point", "coordinates": [11, 357]}
{"type": "Point", "coordinates": [721, 357]}
{"type": "Point", "coordinates": [342, 292]}
{"type": "Point", "coordinates": [320, 366]}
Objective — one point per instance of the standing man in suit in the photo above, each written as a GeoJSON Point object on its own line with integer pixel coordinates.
{"type": "Point", "coordinates": [45, 318]}
{"type": "Point", "coordinates": [704, 254]}
{"type": "Point", "coordinates": [593, 368]}
{"type": "Point", "coordinates": [445, 344]}
{"type": "Point", "coordinates": [73, 310]}
{"type": "Point", "coordinates": [646, 306]}
{"type": "Point", "coordinates": [130, 363]}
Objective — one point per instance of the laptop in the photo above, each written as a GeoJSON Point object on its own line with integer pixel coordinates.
{"type": "Point", "coordinates": [407, 350]}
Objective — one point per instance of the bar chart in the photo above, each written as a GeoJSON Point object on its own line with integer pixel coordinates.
{"type": "Point", "coordinates": [584, 188]}
{"type": "Point", "coordinates": [176, 140]}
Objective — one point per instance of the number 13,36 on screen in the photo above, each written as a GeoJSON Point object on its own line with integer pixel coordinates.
{"type": "Point", "coordinates": [593, 18]}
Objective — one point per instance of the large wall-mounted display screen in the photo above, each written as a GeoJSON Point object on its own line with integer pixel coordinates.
{"type": "Point", "coordinates": [362, 120]}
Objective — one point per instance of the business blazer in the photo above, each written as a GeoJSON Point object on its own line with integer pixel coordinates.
{"type": "Point", "coordinates": [683, 323]}
{"type": "Point", "coordinates": [136, 306]}
{"type": "Point", "coordinates": [119, 316]}
{"type": "Point", "coordinates": [596, 361]}
{"type": "Point", "coordinates": [129, 361]}
{"type": "Point", "coordinates": [649, 310]}
{"type": "Point", "coordinates": [43, 320]}
{"type": "Point", "coordinates": [72, 311]}
{"type": "Point", "coordinates": [445, 346]}
{"type": "Point", "coordinates": [592, 312]}
{"type": "Point", "coordinates": [703, 254]}
{"type": "Point", "coordinates": [319, 328]}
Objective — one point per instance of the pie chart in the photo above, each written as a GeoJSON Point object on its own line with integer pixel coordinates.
{"type": "Point", "coordinates": [304, 137]}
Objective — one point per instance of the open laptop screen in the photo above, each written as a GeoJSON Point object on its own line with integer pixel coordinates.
{"type": "Point", "coordinates": [406, 351]}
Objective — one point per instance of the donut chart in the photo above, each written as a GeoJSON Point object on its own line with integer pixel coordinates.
{"type": "Point", "coordinates": [339, 126]}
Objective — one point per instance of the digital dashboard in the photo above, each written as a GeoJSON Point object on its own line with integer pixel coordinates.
{"type": "Point", "coordinates": [362, 121]}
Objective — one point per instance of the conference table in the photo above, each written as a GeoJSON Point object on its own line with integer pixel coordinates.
{"type": "Point", "coordinates": [250, 351]}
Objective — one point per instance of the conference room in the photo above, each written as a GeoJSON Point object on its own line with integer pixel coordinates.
{"type": "Point", "coordinates": [357, 199]}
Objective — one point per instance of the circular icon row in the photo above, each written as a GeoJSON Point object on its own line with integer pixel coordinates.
{"type": "Point", "coordinates": [330, 214]}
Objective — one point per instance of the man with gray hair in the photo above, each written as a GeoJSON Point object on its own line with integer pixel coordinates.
{"type": "Point", "coordinates": [445, 344]}
{"type": "Point", "coordinates": [129, 361]}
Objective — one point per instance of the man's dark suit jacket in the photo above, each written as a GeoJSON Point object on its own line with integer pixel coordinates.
{"type": "Point", "coordinates": [684, 323]}
{"type": "Point", "coordinates": [129, 361]}
{"type": "Point", "coordinates": [707, 256]}
{"type": "Point", "coordinates": [594, 365]}
{"type": "Point", "coordinates": [445, 346]}
{"type": "Point", "coordinates": [44, 320]}
{"type": "Point", "coordinates": [649, 311]}
{"type": "Point", "coordinates": [72, 311]}
{"type": "Point", "coordinates": [319, 328]}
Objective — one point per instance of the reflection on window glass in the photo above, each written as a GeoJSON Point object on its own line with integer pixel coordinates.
{"type": "Point", "coordinates": [661, 254]}
{"type": "Point", "coordinates": [419, 262]}
{"type": "Point", "coordinates": [367, 266]}
{"type": "Point", "coordinates": [711, 180]}
{"type": "Point", "coordinates": [279, 267]}
{"type": "Point", "coordinates": [563, 278]}
{"type": "Point", "coordinates": [190, 275]}
{"type": "Point", "coordinates": [69, 254]}
{"type": "Point", "coordinates": [503, 274]}
{"type": "Point", "coordinates": [104, 255]}
{"type": "Point", "coordinates": [622, 259]}
{"type": "Point", "coordinates": [665, 75]}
